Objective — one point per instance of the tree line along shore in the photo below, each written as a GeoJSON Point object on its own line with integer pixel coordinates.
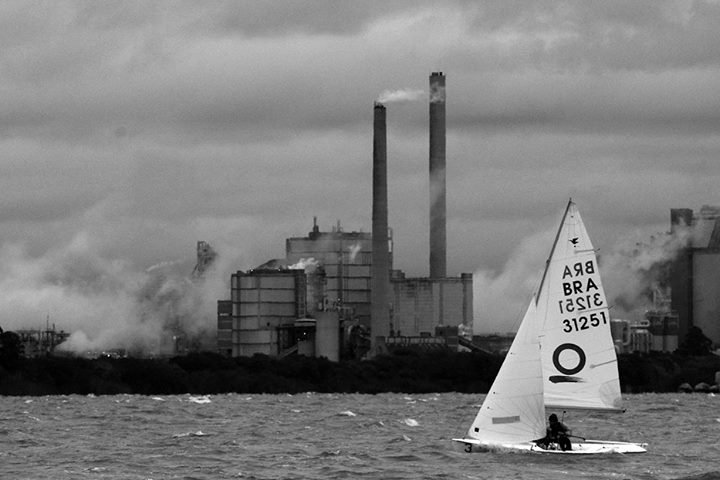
{"type": "Point", "coordinates": [402, 372]}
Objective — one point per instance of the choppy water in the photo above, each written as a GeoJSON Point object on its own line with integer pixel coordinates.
{"type": "Point", "coordinates": [325, 436]}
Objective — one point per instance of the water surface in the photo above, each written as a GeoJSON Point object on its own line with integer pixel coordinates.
{"type": "Point", "coordinates": [326, 436]}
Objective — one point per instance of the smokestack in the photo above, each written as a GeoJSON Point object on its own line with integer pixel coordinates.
{"type": "Point", "coordinates": [438, 236]}
{"type": "Point", "coordinates": [380, 281]}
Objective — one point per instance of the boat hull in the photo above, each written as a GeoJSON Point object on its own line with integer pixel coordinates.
{"type": "Point", "coordinates": [587, 447]}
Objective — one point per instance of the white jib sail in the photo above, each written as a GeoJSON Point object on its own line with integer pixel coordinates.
{"type": "Point", "coordinates": [513, 411]}
{"type": "Point", "coordinates": [578, 355]}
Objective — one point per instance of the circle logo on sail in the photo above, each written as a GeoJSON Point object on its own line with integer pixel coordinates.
{"type": "Point", "coordinates": [569, 370]}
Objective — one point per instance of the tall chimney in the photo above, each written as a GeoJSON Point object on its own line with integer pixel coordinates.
{"type": "Point", "coordinates": [380, 277]}
{"type": "Point", "coordinates": [438, 235]}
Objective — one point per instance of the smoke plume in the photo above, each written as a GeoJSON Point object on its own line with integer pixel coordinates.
{"type": "Point", "coordinates": [397, 96]}
{"type": "Point", "coordinates": [500, 299]}
{"type": "Point", "coordinates": [309, 265]}
{"type": "Point", "coordinates": [635, 271]}
{"type": "Point", "coordinates": [106, 303]}
{"type": "Point", "coordinates": [354, 250]}
{"type": "Point", "coordinates": [632, 272]}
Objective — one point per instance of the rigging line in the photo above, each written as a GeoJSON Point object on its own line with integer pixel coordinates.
{"type": "Point", "coordinates": [594, 365]}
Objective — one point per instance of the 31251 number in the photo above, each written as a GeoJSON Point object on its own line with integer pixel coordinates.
{"type": "Point", "coordinates": [584, 322]}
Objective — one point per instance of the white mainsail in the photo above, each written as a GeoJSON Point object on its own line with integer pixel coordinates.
{"type": "Point", "coordinates": [513, 410]}
{"type": "Point", "coordinates": [578, 354]}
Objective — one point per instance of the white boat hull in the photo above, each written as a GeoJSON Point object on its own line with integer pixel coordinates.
{"type": "Point", "coordinates": [587, 447]}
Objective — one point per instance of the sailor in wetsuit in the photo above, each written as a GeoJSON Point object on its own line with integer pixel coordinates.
{"type": "Point", "coordinates": [557, 432]}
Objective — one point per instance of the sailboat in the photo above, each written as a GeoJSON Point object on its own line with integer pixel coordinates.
{"type": "Point", "coordinates": [562, 358]}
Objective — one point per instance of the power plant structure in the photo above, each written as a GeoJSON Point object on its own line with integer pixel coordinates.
{"type": "Point", "coordinates": [336, 293]}
{"type": "Point", "coordinates": [39, 342]}
{"type": "Point", "coordinates": [657, 331]}
{"type": "Point", "coordinates": [380, 286]}
{"type": "Point", "coordinates": [690, 297]}
{"type": "Point", "coordinates": [695, 273]}
{"type": "Point", "coordinates": [345, 259]}
{"type": "Point", "coordinates": [438, 208]}
{"type": "Point", "coordinates": [205, 258]}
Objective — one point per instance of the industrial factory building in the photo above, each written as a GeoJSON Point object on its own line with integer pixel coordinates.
{"type": "Point", "coordinates": [39, 343]}
{"type": "Point", "coordinates": [278, 312]}
{"type": "Point", "coordinates": [692, 298]}
{"type": "Point", "coordinates": [317, 301]}
{"type": "Point", "coordinates": [336, 293]}
{"type": "Point", "coordinates": [657, 332]}
{"type": "Point", "coordinates": [695, 275]}
{"type": "Point", "coordinates": [346, 259]}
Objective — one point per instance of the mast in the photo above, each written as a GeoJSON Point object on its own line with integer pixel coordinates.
{"type": "Point", "coordinates": [552, 250]}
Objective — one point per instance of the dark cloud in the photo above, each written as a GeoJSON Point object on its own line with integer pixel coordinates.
{"type": "Point", "coordinates": [313, 17]}
{"type": "Point", "coordinates": [600, 35]}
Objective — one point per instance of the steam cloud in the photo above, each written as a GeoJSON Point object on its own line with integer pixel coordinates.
{"type": "Point", "coordinates": [500, 299]}
{"type": "Point", "coordinates": [397, 96]}
{"type": "Point", "coordinates": [105, 303]}
{"type": "Point", "coordinates": [354, 250]}
{"type": "Point", "coordinates": [631, 272]}
{"type": "Point", "coordinates": [309, 265]}
{"type": "Point", "coordinates": [635, 270]}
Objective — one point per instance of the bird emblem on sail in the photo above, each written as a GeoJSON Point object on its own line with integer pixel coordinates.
{"type": "Point", "coordinates": [574, 241]}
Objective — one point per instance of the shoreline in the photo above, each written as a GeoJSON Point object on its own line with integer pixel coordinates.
{"type": "Point", "coordinates": [402, 372]}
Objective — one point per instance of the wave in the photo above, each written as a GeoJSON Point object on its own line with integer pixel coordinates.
{"type": "Point", "coordinates": [202, 399]}
{"type": "Point", "coordinates": [714, 475]}
{"type": "Point", "coordinates": [199, 433]}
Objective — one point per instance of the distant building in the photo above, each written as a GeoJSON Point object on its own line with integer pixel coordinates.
{"type": "Point", "coordinates": [40, 343]}
{"type": "Point", "coordinates": [205, 258]}
{"type": "Point", "coordinates": [346, 259]}
{"type": "Point", "coordinates": [265, 302]}
{"type": "Point", "coordinates": [695, 274]}
{"type": "Point", "coordinates": [419, 305]}
{"type": "Point", "coordinates": [663, 330]}
{"type": "Point", "coordinates": [225, 327]}
{"type": "Point", "coordinates": [273, 312]}
{"type": "Point", "coordinates": [321, 294]}
{"type": "Point", "coordinates": [657, 332]}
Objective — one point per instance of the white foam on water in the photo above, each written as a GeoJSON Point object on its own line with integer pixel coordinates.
{"type": "Point", "coordinates": [199, 433]}
{"type": "Point", "coordinates": [201, 399]}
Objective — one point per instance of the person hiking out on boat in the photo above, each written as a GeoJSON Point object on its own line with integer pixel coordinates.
{"type": "Point", "coordinates": [557, 432]}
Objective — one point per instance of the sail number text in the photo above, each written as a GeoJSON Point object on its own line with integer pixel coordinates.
{"type": "Point", "coordinates": [581, 293]}
{"type": "Point", "coordinates": [584, 322]}
{"type": "Point", "coordinates": [569, 305]}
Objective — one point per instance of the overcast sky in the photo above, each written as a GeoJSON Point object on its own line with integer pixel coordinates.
{"type": "Point", "coordinates": [131, 130]}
